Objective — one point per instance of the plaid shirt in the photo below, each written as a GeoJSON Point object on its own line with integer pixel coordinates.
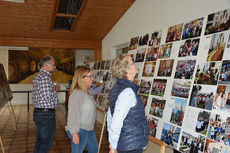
{"type": "Point", "coordinates": [44, 93]}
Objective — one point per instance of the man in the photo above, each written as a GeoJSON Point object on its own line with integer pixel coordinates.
{"type": "Point", "coordinates": [45, 101]}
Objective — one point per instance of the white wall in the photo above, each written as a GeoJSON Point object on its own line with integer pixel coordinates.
{"type": "Point", "coordinates": [145, 16]}
{"type": "Point", "coordinates": [79, 54]}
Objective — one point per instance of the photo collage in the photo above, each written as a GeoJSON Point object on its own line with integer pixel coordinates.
{"type": "Point", "coordinates": [184, 79]}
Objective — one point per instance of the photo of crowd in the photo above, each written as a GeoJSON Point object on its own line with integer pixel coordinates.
{"type": "Point", "coordinates": [149, 69]}
{"type": "Point", "coordinates": [191, 143]}
{"type": "Point", "coordinates": [145, 86]}
{"type": "Point", "coordinates": [207, 73]}
{"type": "Point", "coordinates": [192, 28]}
{"type": "Point", "coordinates": [144, 40]}
{"type": "Point", "coordinates": [177, 114]}
{"type": "Point", "coordinates": [202, 122]}
{"type": "Point", "coordinates": [189, 47]}
{"type": "Point", "coordinates": [165, 51]}
{"type": "Point", "coordinates": [157, 107]}
{"type": "Point", "coordinates": [155, 38]}
{"type": "Point", "coordinates": [222, 98]}
{"type": "Point", "coordinates": [217, 22]}
{"type": "Point", "coordinates": [152, 54]}
{"type": "Point", "coordinates": [217, 46]}
{"type": "Point", "coordinates": [165, 68]}
{"type": "Point", "coordinates": [152, 125]}
{"type": "Point", "coordinates": [133, 43]}
{"type": "Point", "coordinates": [185, 69]}
{"type": "Point", "coordinates": [144, 99]}
{"type": "Point", "coordinates": [158, 88]}
{"type": "Point", "coordinates": [202, 96]}
{"type": "Point", "coordinates": [174, 33]}
{"type": "Point", "coordinates": [140, 56]}
{"type": "Point", "coordinates": [181, 88]}
{"type": "Point", "coordinates": [219, 129]}
{"type": "Point", "coordinates": [170, 135]}
{"type": "Point", "coordinates": [225, 73]}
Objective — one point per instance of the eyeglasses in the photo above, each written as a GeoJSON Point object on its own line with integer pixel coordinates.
{"type": "Point", "coordinates": [54, 65]}
{"type": "Point", "coordinates": [89, 76]}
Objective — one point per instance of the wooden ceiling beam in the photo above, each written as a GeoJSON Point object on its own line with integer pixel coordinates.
{"type": "Point", "coordinates": [50, 43]}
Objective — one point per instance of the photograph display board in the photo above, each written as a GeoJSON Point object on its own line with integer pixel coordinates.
{"type": "Point", "coordinates": [5, 91]}
{"type": "Point", "coordinates": [184, 79]}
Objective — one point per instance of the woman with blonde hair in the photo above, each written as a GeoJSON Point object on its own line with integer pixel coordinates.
{"type": "Point", "coordinates": [81, 113]}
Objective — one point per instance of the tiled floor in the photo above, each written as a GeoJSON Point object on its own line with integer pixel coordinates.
{"type": "Point", "coordinates": [23, 139]}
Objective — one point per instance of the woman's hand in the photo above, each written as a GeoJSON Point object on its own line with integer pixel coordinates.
{"type": "Point", "coordinates": [75, 138]}
{"type": "Point", "coordinates": [112, 150]}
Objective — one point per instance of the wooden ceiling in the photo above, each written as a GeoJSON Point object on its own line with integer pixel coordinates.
{"type": "Point", "coordinates": [33, 19]}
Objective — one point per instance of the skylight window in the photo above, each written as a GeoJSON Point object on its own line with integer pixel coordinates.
{"type": "Point", "coordinates": [67, 13]}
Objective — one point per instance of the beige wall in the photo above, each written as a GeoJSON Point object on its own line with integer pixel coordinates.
{"type": "Point", "coordinates": [145, 16]}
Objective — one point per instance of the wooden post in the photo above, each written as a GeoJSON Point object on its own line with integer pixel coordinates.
{"type": "Point", "coordinates": [2, 147]}
{"type": "Point", "coordinates": [102, 130]}
{"type": "Point", "coordinates": [12, 112]}
{"type": "Point", "coordinates": [161, 143]}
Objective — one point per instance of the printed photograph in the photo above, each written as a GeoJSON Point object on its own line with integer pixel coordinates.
{"type": "Point", "coordinates": [225, 73]}
{"type": "Point", "coordinates": [189, 47]}
{"type": "Point", "coordinates": [207, 73]}
{"type": "Point", "coordinates": [144, 99]}
{"type": "Point", "coordinates": [5, 91]}
{"type": "Point", "coordinates": [140, 56]}
{"type": "Point", "coordinates": [152, 54]}
{"type": "Point", "coordinates": [192, 28]}
{"type": "Point", "coordinates": [149, 69]}
{"type": "Point", "coordinates": [192, 143]}
{"type": "Point", "coordinates": [174, 33]}
{"type": "Point", "coordinates": [107, 64]}
{"type": "Point", "coordinates": [222, 98]}
{"type": "Point", "coordinates": [219, 128]}
{"type": "Point", "coordinates": [158, 88]}
{"type": "Point", "coordinates": [95, 65]}
{"type": "Point", "coordinates": [143, 40]}
{"type": "Point", "coordinates": [165, 68]}
{"type": "Point", "coordinates": [165, 51]}
{"type": "Point", "coordinates": [177, 114]}
{"type": "Point", "coordinates": [202, 96]}
{"type": "Point", "coordinates": [139, 67]}
{"type": "Point", "coordinates": [202, 122]}
{"type": "Point", "coordinates": [157, 107]}
{"type": "Point", "coordinates": [23, 66]}
{"type": "Point", "coordinates": [99, 65]}
{"type": "Point", "coordinates": [214, 147]}
{"type": "Point", "coordinates": [102, 65]}
{"type": "Point", "coordinates": [145, 86]}
{"type": "Point", "coordinates": [181, 88]}
{"type": "Point", "coordinates": [227, 50]}
{"type": "Point", "coordinates": [217, 46]}
{"type": "Point", "coordinates": [155, 39]}
{"type": "Point", "coordinates": [152, 125]}
{"type": "Point", "coordinates": [170, 135]}
{"type": "Point", "coordinates": [133, 43]}
{"type": "Point", "coordinates": [217, 22]}
{"type": "Point", "coordinates": [185, 69]}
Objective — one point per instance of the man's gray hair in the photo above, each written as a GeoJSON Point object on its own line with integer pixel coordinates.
{"type": "Point", "coordinates": [45, 60]}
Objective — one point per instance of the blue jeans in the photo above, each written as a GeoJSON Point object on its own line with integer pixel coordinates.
{"type": "Point", "coordinates": [131, 151]}
{"type": "Point", "coordinates": [86, 138]}
{"type": "Point", "coordinates": [45, 127]}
